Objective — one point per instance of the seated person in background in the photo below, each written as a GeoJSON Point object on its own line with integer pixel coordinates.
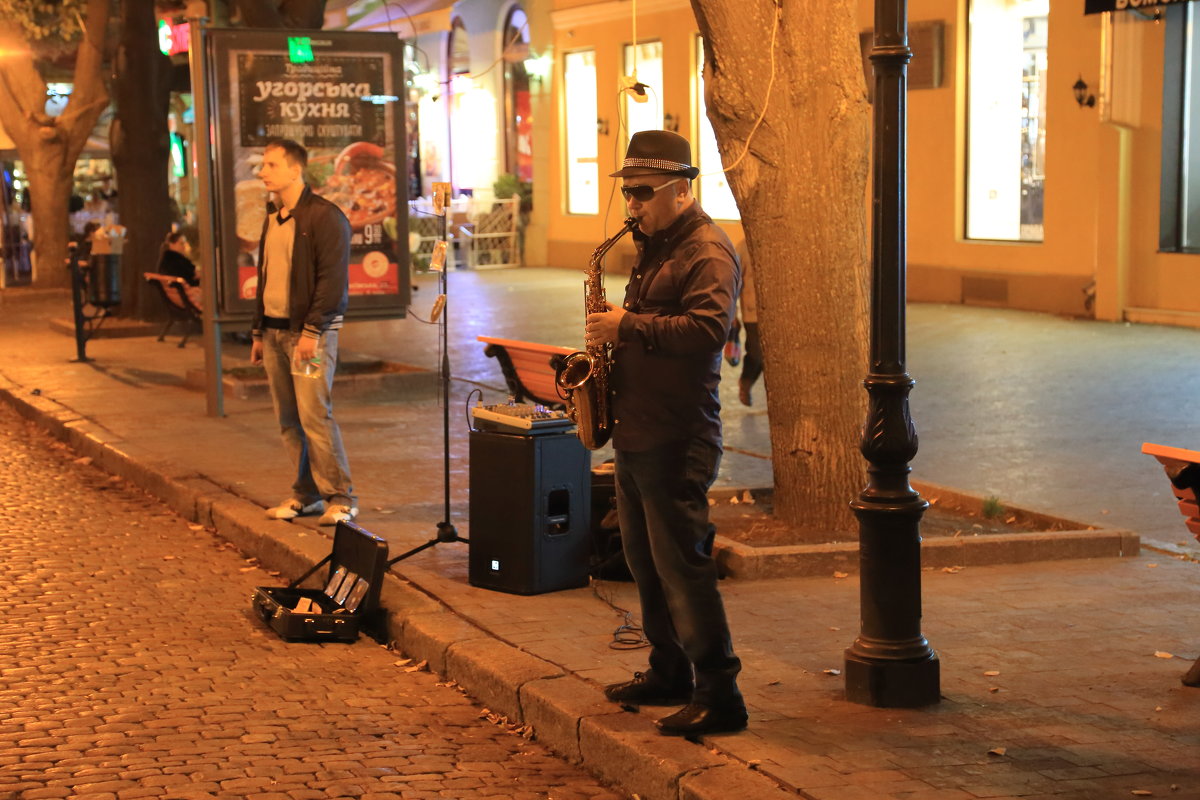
{"type": "Point", "coordinates": [176, 258]}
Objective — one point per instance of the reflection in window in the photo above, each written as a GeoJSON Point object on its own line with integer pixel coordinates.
{"type": "Point", "coordinates": [644, 112]}
{"type": "Point", "coordinates": [583, 172]}
{"type": "Point", "coordinates": [1006, 133]}
{"type": "Point", "coordinates": [713, 189]}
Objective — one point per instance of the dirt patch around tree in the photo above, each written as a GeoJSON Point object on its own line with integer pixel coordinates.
{"type": "Point", "coordinates": [748, 517]}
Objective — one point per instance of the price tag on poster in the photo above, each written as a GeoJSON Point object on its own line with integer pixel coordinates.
{"type": "Point", "coordinates": [344, 106]}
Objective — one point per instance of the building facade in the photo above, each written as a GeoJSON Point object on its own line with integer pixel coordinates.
{"type": "Point", "coordinates": [1047, 148]}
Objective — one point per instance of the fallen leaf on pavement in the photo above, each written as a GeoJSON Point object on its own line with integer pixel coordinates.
{"type": "Point", "coordinates": [833, 628]}
{"type": "Point", "coordinates": [775, 682]}
{"type": "Point", "coordinates": [841, 574]}
{"type": "Point", "coordinates": [748, 498]}
{"type": "Point", "coordinates": [1162, 654]}
{"type": "Point", "coordinates": [1158, 708]}
{"type": "Point", "coordinates": [991, 673]}
{"type": "Point", "coordinates": [85, 460]}
{"type": "Point", "coordinates": [1142, 793]}
{"type": "Point", "coordinates": [734, 501]}
{"type": "Point", "coordinates": [993, 689]}
{"type": "Point", "coordinates": [195, 527]}
{"type": "Point", "coordinates": [1151, 566]}
{"type": "Point", "coordinates": [832, 671]}
{"type": "Point", "coordinates": [247, 569]}
{"type": "Point", "coordinates": [952, 570]}
{"type": "Point", "coordinates": [997, 751]}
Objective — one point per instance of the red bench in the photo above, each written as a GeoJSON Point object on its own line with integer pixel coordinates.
{"type": "Point", "coordinates": [529, 368]}
{"type": "Point", "coordinates": [1183, 469]}
{"type": "Point", "coordinates": [182, 302]}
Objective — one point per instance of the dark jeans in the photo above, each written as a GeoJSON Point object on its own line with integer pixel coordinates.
{"type": "Point", "coordinates": [662, 503]}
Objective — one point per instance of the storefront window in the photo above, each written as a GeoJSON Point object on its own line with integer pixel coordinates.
{"type": "Point", "coordinates": [1006, 131]}
{"type": "Point", "coordinates": [644, 110]}
{"type": "Point", "coordinates": [473, 119]}
{"type": "Point", "coordinates": [713, 185]}
{"type": "Point", "coordinates": [1180, 206]}
{"type": "Point", "coordinates": [518, 134]}
{"type": "Point", "coordinates": [583, 139]}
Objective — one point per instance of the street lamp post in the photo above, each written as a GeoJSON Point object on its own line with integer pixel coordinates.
{"type": "Point", "coordinates": [891, 663]}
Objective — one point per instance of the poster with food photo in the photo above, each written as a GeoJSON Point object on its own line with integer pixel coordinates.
{"type": "Point", "coordinates": [344, 108]}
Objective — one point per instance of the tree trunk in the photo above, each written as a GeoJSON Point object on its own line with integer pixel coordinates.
{"type": "Point", "coordinates": [50, 146]}
{"type": "Point", "coordinates": [140, 143]}
{"type": "Point", "coordinates": [801, 190]}
{"type": "Point", "coordinates": [50, 193]}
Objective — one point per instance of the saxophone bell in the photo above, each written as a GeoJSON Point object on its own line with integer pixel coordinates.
{"type": "Point", "coordinates": [576, 369]}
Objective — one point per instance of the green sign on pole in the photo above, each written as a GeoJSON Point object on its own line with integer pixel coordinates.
{"type": "Point", "coordinates": [300, 49]}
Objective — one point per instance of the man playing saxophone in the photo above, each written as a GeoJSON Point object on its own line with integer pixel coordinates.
{"type": "Point", "coordinates": [667, 336]}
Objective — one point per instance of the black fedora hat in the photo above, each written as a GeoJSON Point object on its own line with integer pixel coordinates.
{"type": "Point", "coordinates": [657, 152]}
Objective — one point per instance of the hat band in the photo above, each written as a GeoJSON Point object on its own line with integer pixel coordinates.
{"type": "Point", "coordinates": [655, 163]}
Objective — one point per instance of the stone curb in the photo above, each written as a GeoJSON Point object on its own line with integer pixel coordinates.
{"type": "Point", "coordinates": [811, 560]}
{"type": "Point", "coordinates": [566, 713]}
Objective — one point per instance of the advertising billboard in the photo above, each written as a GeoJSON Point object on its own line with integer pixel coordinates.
{"type": "Point", "coordinates": [339, 95]}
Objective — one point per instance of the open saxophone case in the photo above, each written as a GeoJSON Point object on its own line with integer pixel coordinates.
{"type": "Point", "coordinates": [349, 601]}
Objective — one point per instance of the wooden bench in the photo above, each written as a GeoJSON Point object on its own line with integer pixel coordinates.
{"type": "Point", "coordinates": [529, 368]}
{"type": "Point", "coordinates": [181, 301]}
{"type": "Point", "coordinates": [1183, 469]}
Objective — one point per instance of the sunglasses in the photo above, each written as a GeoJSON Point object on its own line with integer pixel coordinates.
{"type": "Point", "coordinates": [644, 193]}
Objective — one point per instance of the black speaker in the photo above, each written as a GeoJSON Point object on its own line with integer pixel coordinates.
{"type": "Point", "coordinates": [530, 512]}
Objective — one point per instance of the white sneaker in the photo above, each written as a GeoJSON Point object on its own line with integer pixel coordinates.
{"type": "Point", "coordinates": [335, 514]}
{"type": "Point", "coordinates": [291, 508]}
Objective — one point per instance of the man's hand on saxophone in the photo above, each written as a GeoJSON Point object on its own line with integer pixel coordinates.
{"type": "Point", "coordinates": [601, 328]}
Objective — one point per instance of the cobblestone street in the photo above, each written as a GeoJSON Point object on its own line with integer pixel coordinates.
{"type": "Point", "coordinates": [131, 667]}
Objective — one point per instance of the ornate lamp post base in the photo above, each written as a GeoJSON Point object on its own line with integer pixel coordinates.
{"type": "Point", "coordinates": [892, 684]}
{"type": "Point", "coordinates": [890, 664]}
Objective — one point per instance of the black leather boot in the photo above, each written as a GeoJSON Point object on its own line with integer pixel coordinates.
{"type": "Point", "coordinates": [698, 719]}
{"type": "Point", "coordinates": [648, 689]}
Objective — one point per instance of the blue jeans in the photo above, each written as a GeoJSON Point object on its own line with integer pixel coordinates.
{"type": "Point", "coordinates": [662, 504]}
{"type": "Point", "coordinates": [304, 408]}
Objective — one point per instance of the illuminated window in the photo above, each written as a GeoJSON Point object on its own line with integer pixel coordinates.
{"type": "Point", "coordinates": [583, 138]}
{"type": "Point", "coordinates": [713, 189]}
{"type": "Point", "coordinates": [1006, 123]}
{"type": "Point", "coordinates": [644, 111]}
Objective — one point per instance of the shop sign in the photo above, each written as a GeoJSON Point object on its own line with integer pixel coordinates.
{"type": "Point", "coordinates": [326, 95]}
{"type": "Point", "coordinates": [173, 39]}
{"type": "Point", "coordinates": [1100, 6]}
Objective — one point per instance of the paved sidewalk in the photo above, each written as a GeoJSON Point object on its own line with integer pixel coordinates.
{"type": "Point", "coordinates": [1040, 411]}
{"type": "Point", "coordinates": [131, 667]}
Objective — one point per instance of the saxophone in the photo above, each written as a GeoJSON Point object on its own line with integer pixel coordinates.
{"type": "Point", "coordinates": [583, 376]}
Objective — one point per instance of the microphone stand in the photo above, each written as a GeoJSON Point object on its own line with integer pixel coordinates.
{"type": "Point", "coordinates": [446, 532]}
